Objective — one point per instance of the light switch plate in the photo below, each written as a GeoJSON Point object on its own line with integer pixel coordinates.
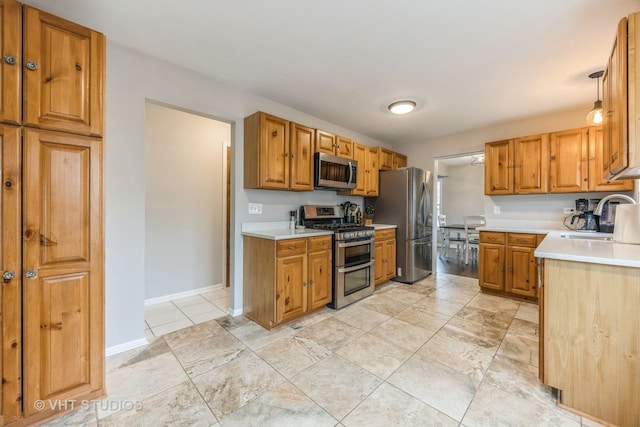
{"type": "Point", "coordinates": [255, 208]}
{"type": "Point", "coordinates": [496, 209]}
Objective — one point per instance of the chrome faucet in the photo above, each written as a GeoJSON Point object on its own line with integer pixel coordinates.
{"type": "Point", "coordinates": [600, 205]}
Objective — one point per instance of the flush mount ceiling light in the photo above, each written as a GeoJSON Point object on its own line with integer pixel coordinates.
{"type": "Point", "coordinates": [402, 107]}
{"type": "Point", "coordinates": [594, 117]}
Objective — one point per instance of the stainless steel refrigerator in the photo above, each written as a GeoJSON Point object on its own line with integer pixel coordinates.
{"type": "Point", "coordinates": [405, 200]}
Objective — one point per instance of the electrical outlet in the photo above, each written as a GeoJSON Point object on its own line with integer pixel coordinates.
{"type": "Point", "coordinates": [567, 211]}
{"type": "Point", "coordinates": [255, 208]}
{"type": "Point", "coordinates": [496, 209]}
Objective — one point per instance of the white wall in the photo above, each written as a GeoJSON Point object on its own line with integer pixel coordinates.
{"type": "Point", "coordinates": [462, 192]}
{"type": "Point", "coordinates": [544, 210]}
{"type": "Point", "coordinates": [184, 201]}
{"type": "Point", "coordinates": [132, 79]}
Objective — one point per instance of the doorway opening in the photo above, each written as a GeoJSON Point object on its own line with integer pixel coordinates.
{"type": "Point", "coordinates": [459, 192]}
{"type": "Point", "coordinates": [187, 209]}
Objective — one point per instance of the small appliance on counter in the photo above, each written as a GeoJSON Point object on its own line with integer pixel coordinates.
{"type": "Point", "coordinates": [583, 219]}
{"type": "Point", "coordinates": [608, 217]}
{"type": "Point", "coordinates": [627, 229]}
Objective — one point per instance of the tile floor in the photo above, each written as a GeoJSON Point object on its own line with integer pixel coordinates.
{"type": "Point", "coordinates": [435, 353]}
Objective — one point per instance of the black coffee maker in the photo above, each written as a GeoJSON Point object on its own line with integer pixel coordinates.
{"type": "Point", "coordinates": [583, 219]}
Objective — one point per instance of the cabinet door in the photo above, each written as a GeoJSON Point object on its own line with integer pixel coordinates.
{"type": "Point", "coordinates": [325, 142]}
{"type": "Point", "coordinates": [320, 274]}
{"type": "Point", "coordinates": [360, 155]}
{"type": "Point", "coordinates": [531, 164]}
{"type": "Point", "coordinates": [10, 256]}
{"type": "Point", "coordinates": [498, 168]}
{"type": "Point", "coordinates": [379, 271]}
{"type": "Point", "coordinates": [63, 86]}
{"type": "Point", "coordinates": [491, 266]}
{"type": "Point", "coordinates": [615, 102]}
{"type": "Point", "coordinates": [344, 147]}
{"type": "Point", "coordinates": [11, 66]}
{"type": "Point", "coordinates": [385, 159]}
{"type": "Point", "coordinates": [390, 259]}
{"type": "Point", "coordinates": [400, 161]}
{"type": "Point", "coordinates": [62, 249]}
{"type": "Point", "coordinates": [372, 178]}
{"type": "Point", "coordinates": [291, 298]}
{"type": "Point", "coordinates": [521, 271]}
{"type": "Point", "coordinates": [597, 180]}
{"type": "Point", "coordinates": [301, 157]}
{"type": "Point", "coordinates": [274, 152]}
{"type": "Point", "coordinates": [569, 161]}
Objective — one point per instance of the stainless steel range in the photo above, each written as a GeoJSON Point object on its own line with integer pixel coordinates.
{"type": "Point", "coordinates": [353, 253]}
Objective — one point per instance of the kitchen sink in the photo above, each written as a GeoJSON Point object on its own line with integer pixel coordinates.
{"type": "Point", "coordinates": [587, 237]}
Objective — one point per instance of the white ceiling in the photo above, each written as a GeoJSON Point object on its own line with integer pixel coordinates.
{"type": "Point", "coordinates": [467, 63]}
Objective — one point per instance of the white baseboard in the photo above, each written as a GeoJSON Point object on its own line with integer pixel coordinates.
{"type": "Point", "coordinates": [165, 298]}
{"type": "Point", "coordinates": [110, 351]}
{"type": "Point", "coordinates": [233, 313]}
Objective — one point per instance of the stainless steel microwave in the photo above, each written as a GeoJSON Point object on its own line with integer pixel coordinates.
{"type": "Point", "coordinates": [334, 173]}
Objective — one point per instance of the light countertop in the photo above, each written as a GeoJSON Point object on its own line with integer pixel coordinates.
{"type": "Point", "coordinates": [278, 230]}
{"type": "Point", "coordinates": [590, 251]}
{"type": "Point", "coordinates": [515, 229]}
{"type": "Point", "coordinates": [383, 226]}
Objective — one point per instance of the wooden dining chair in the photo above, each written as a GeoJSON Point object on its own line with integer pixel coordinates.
{"type": "Point", "coordinates": [472, 236]}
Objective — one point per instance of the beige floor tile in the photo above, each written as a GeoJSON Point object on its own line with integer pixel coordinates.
{"type": "Point", "coordinates": [495, 304]}
{"type": "Point", "coordinates": [403, 295]}
{"type": "Point", "coordinates": [439, 305]}
{"type": "Point", "coordinates": [85, 417]}
{"type": "Point", "coordinates": [313, 318]}
{"type": "Point", "coordinates": [484, 317]}
{"type": "Point", "coordinates": [198, 357]}
{"type": "Point", "coordinates": [155, 348]}
{"type": "Point", "coordinates": [471, 359]}
{"type": "Point", "coordinates": [163, 317]}
{"type": "Point", "coordinates": [330, 333]}
{"type": "Point", "coordinates": [234, 384]}
{"type": "Point", "coordinates": [522, 349]}
{"type": "Point", "coordinates": [148, 334]}
{"type": "Point", "coordinates": [336, 384]}
{"type": "Point", "coordinates": [376, 355]}
{"type": "Point", "coordinates": [494, 407]}
{"type": "Point", "coordinates": [403, 334]}
{"type": "Point", "coordinates": [464, 330]}
{"type": "Point", "coordinates": [159, 308]}
{"type": "Point", "coordinates": [361, 317]}
{"type": "Point", "coordinates": [460, 295]}
{"type": "Point", "coordinates": [222, 303]}
{"type": "Point", "coordinates": [423, 318]}
{"type": "Point", "coordinates": [179, 405]}
{"type": "Point", "coordinates": [199, 308]}
{"type": "Point", "coordinates": [524, 329]}
{"type": "Point", "coordinates": [528, 312]}
{"type": "Point", "coordinates": [282, 405]}
{"type": "Point", "coordinates": [193, 334]}
{"type": "Point", "coordinates": [290, 356]}
{"type": "Point", "coordinates": [171, 327]}
{"type": "Point", "coordinates": [383, 305]}
{"type": "Point", "coordinates": [211, 314]}
{"type": "Point", "coordinates": [390, 406]}
{"type": "Point", "coordinates": [440, 387]}
{"type": "Point", "coordinates": [187, 301]}
{"type": "Point", "coordinates": [255, 336]}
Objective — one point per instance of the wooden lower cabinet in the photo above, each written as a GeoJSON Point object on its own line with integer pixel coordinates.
{"type": "Point", "coordinates": [507, 264]}
{"type": "Point", "coordinates": [385, 256]}
{"type": "Point", "coordinates": [285, 279]}
{"type": "Point", "coordinates": [590, 342]}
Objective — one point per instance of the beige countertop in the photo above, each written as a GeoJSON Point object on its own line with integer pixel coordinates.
{"type": "Point", "coordinates": [383, 226]}
{"type": "Point", "coordinates": [278, 231]}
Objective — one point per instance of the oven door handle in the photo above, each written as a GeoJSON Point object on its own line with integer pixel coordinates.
{"type": "Point", "coordinates": [355, 267]}
{"type": "Point", "coordinates": [355, 243]}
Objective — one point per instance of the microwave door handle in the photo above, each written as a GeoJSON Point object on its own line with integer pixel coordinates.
{"type": "Point", "coordinates": [350, 172]}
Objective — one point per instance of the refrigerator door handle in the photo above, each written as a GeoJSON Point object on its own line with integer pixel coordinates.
{"type": "Point", "coordinates": [424, 204]}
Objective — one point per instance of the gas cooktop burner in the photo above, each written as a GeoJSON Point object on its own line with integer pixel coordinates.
{"type": "Point", "coordinates": [331, 218]}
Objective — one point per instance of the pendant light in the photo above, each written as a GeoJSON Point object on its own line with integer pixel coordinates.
{"type": "Point", "coordinates": [594, 118]}
{"type": "Point", "coordinates": [402, 107]}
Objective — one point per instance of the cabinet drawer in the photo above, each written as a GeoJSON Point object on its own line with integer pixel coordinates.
{"type": "Point", "coordinates": [290, 247]}
{"type": "Point", "coordinates": [491, 237]}
{"type": "Point", "coordinates": [388, 233]}
{"type": "Point", "coordinates": [319, 243]}
{"type": "Point", "coordinates": [521, 239]}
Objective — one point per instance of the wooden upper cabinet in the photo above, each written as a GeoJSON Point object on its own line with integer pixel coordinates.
{"type": "Point", "coordinates": [498, 167]}
{"type": "Point", "coordinates": [615, 119]}
{"type": "Point", "coordinates": [62, 245]}
{"type": "Point", "coordinates": [399, 161]}
{"type": "Point", "coordinates": [344, 147]}
{"type": "Point", "coordinates": [372, 182]}
{"type": "Point", "coordinates": [278, 154]}
{"type": "Point", "coordinates": [569, 162]}
{"type": "Point", "coordinates": [597, 180]}
{"type": "Point", "coordinates": [336, 145]}
{"type": "Point", "coordinates": [10, 68]}
{"type": "Point", "coordinates": [385, 159]}
{"type": "Point", "coordinates": [63, 74]}
{"type": "Point", "coordinates": [301, 157]}
{"type": "Point", "coordinates": [531, 164]}
{"type": "Point", "coordinates": [360, 155]}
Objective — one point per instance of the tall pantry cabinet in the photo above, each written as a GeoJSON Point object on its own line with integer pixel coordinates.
{"type": "Point", "coordinates": [52, 293]}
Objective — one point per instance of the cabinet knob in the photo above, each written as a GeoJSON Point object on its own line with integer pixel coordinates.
{"type": "Point", "coordinates": [10, 59]}
{"type": "Point", "coordinates": [31, 274]}
{"type": "Point", "coordinates": [8, 275]}
{"type": "Point", "coordinates": [31, 65]}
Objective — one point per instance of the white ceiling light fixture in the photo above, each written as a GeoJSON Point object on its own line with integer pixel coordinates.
{"type": "Point", "coordinates": [402, 107]}
{"type": "Point", "coordinates": [594, 118]}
